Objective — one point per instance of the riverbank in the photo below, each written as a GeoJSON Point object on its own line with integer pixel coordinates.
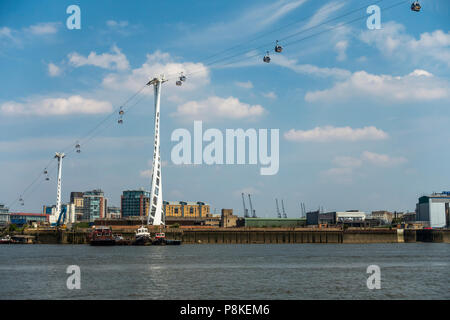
{"type": "Point", "coordinates": [254, 236]}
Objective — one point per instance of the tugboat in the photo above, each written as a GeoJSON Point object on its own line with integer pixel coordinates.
{"type": "Point", "coordinates": [102, 236]}
{"type": "Point", "coordinates": [142, 237]}
{"type": "Point", "coordinates": [6, 240]}
{"type": "Point", "coordinates": [160, 239]}
{"type": "Point", "coordinates": [119, 239]}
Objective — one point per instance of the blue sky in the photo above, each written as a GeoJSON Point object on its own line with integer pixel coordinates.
{"type": "Point", "coordinates": [363, 114]}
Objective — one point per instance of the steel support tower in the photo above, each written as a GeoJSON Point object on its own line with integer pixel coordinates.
{"type": "Point", "coordinates": [59, 156]}
{"type": "Point", "coordinates": [156, 214]}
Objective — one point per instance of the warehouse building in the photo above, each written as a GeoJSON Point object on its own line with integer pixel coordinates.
{"type": "Point", "coordinates": [186, 209]}
{"type": "Point", "coordinates": [433, 210]}
{"type": "Point", "coordinates": [22, 218]}
{"type": "Point", "coordinates": [274, 222]}
{"type": "Point", "coordinates": [350, 217]}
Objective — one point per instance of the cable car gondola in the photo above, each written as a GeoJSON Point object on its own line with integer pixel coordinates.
{"type": "Point", "coordinates": [415, 6]}
{"type": "Point", "coordinates": [178, 83]}
{"type": "Point", "coordinates": [78, 147]}
{"type": "Point", "coordinates": [266, 57]}
{"type": "Point", "coordinates": [182, 77]}
{"type": "Point", "coordinates": [121, 113]}
{"type": "Point", "coordinates": [278, 48]}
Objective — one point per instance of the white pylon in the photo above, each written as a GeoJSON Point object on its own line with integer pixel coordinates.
{"type": "Point", "coordinates": [156, 214]}
{"type": "Point", "coordinates": [59, 156]}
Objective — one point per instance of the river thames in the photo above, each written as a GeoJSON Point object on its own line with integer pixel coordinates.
{"type": "Point", "coordinates": [304, 271]}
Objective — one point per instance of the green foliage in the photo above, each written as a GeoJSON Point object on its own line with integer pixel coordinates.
{"type": "Point", "coordinates": [81, 225]}
{"type": "Point", "coordinates": [175, 225]}
{"type": "Point", "coordinates": [12, 227]}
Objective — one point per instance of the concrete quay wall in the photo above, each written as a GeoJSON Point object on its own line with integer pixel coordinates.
{"type": "Point", "coordinates": [260, 236]}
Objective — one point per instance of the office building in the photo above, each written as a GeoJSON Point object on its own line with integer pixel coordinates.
{"type": "Point", "coordinates": [94, 205]}
{"type": "Point", "coordinates": [113, 213]}
{"type": "Point", "coordinates": [135, 203]}
{"type": "Point", "coordinates": [385, 217]}
{"type": "Point", "coordinates": [77, 199]}
{"type": "Point", "coordinates": [4, 215]}
{"type": "Point", "coordinates": [433, 209]}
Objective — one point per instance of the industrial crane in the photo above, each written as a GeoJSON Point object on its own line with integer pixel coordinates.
{"type": "Point", "coordinates": [253, 212]}
{"type": "Point", "coordinates": [278, 209]}
{"type": "Point", "coordinates": [282, 207]}
{"type": "Point", "coordinates": [245, 209]}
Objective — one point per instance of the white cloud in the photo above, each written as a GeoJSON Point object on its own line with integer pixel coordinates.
{"type": "Point", "coordinates": [54, 70]}
{"type": "Point", "coordinates": [382, 160]}
{"type": "Point", "coordinates": [250, 21]}
{"type": "Point", "coordinates": [340, 175]}
{"type": "Point", "coordinates": [341, 48]}
{"type": "Point", "coordinates": [56, 106]}
{"type": "Point", "coordinates": [116, 24]}
{"type": "Point", "coordinates": [270, 95]}
{"type": "Point", "coordinates": [309, 69]}
{"type": "Point", "coordinates": [43, 28]}
{"type": "Point", "coordinates": [347, 167]}
{"type": "Point", "coordinates": [347, 162]}
{"type": "Point", "coordinates": [393, 36]}
{"type": "Point", "coordinates": [148, 172]}
{"type": "Point", "coordinates": [419, 85]}
{"type": "Point", "coordinates": [330, 133]}
{"type": "Point", "coordinates": [156, 64]}
{"type": "Point", "coordinates": [115, 60]}
{"type": "Point", "coordinates": [245, 85]}
{"type": "Point", "coordinates": [323, 13]}
{"type": "Point", "coordinates": [216, 108]}
{"type": "Point", "coordinates": [5, 32]}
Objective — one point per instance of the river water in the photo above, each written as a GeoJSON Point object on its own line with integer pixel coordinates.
{"type": "Point", "coordinates": [304, 271]}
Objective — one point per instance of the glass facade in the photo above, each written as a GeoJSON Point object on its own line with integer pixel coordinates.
{"type": "Point", "coordinates": [94, 205]}
{"type": "Point", "coordinates": [4, 215]}
{"type": "Point", "coordinates": [135, 203]}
